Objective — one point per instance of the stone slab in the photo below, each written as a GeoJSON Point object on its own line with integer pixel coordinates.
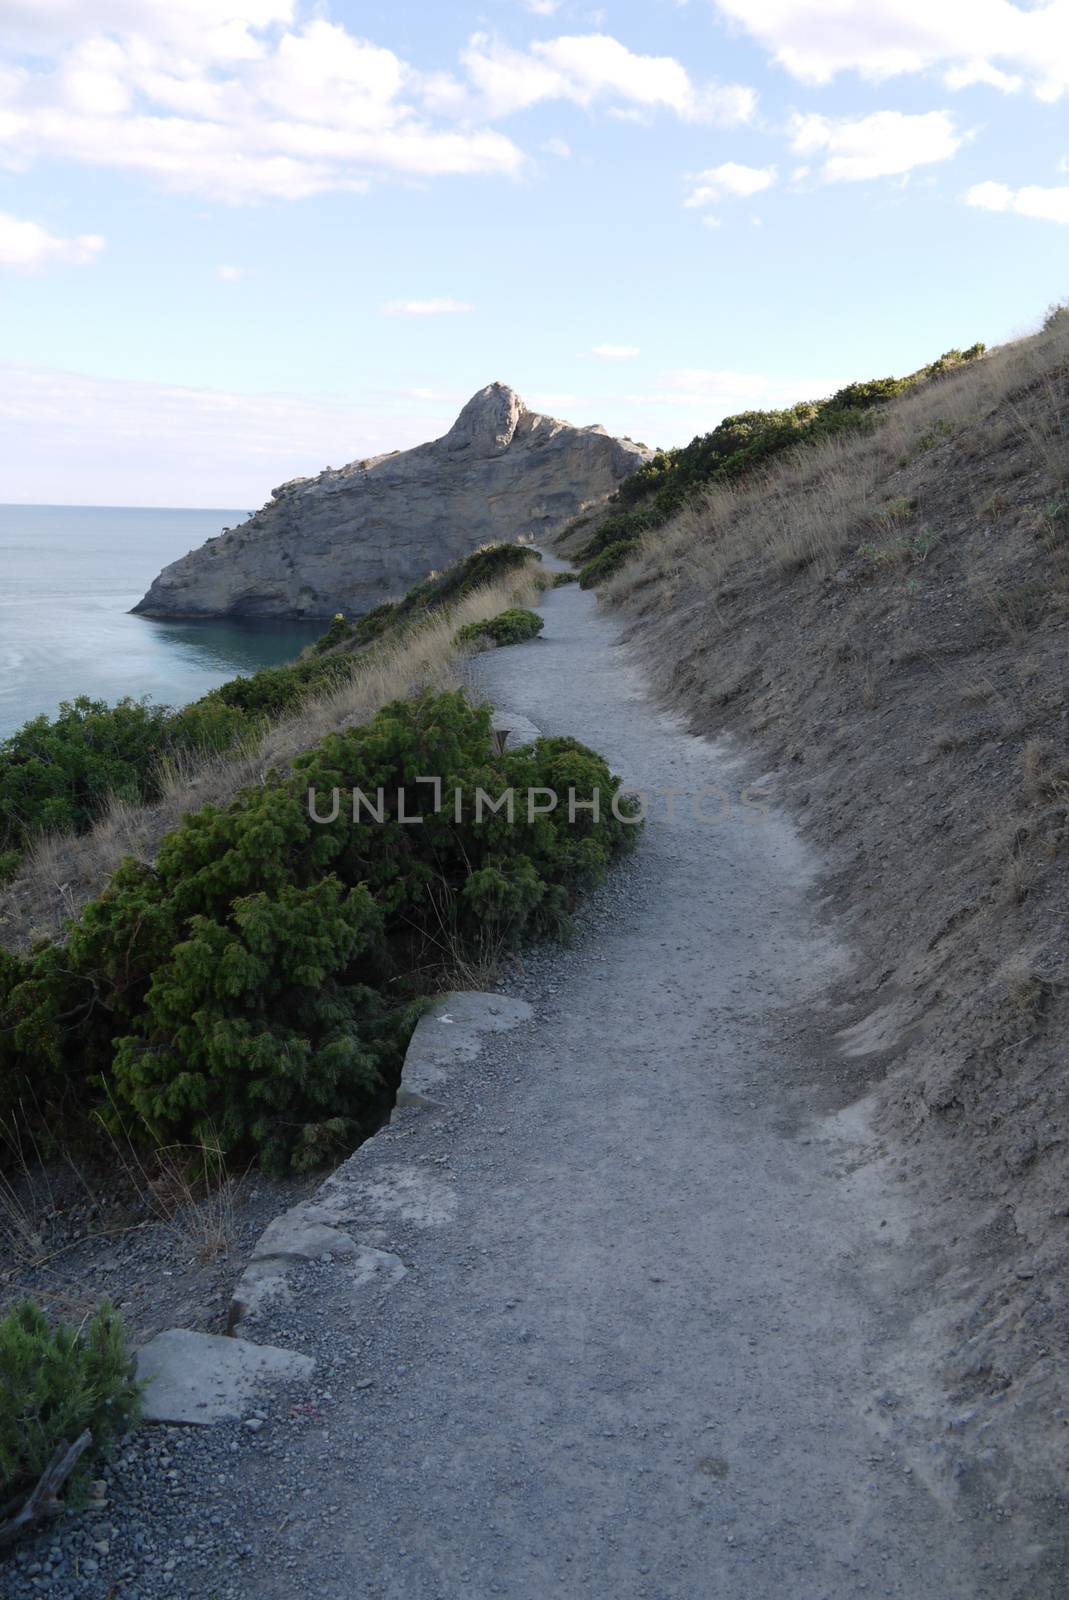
{"type": "Point", "coordinates": [204, 1378]}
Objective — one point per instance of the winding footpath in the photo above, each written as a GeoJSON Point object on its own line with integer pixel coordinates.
{"type": "Point", "coordinates": [654, 1289]}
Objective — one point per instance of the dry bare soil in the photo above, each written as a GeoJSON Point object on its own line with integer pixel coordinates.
{"type": "Point", "coordinates": [887, 621]}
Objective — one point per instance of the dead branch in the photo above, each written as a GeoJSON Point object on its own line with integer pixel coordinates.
{"type": "Point", "coordinates": [44, 1501]}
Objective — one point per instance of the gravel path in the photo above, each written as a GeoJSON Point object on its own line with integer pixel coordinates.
{"type": "Point", "coordinates": [654, 1293]}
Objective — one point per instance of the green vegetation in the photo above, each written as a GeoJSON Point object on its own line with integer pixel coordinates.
{"type": "Point", "coordinates": [561, 578]}
{"type": "Point", "coordinates": [54, 1384]}
{"type": "Point", "coordinates": [485, 565]}
{"type": "Point", "coordinates": [256, 986]}
{"type": "Point", "coordinates": [58, 774]}
{"type": "Point", "coordinates": [608, 561]}
{"type": "Point", "coordinates": [736, 447]}
{"type": "Point", "coordinates": [513, 626]}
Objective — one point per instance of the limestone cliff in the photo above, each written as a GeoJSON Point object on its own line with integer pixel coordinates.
{"type": "Point", "coordinates": [354, 536]}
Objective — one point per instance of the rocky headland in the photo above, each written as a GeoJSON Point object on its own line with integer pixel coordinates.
{"type": "Point", "coordinates": [354, 536]}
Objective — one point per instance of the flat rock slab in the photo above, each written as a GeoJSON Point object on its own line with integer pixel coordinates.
{"type": "Point", "coordinates": [450, 1034]}
{"type": "Point", "coordinates": [204, 1378]}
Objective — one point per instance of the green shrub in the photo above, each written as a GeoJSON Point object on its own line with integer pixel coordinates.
{"type": "Point", "coordinates": [54, 1384]}
{"type": "Point", "coordinates": [239, 983]}
{"type": "Point", "coordinates": [485, 565]}
{"type": "Point", "coordinates": [273, 691]}
{"type": "Point", "coordinates": [561, 578]}
{"type": "Point", "coordinates": [609, 561]}
{"type": "Point", "coordinates": [57, 773]}
{"type": "Point", "coordinates": [513, 626]}
{"type": "Point", "coordinates": [339, 632]}
{"type": "Point", "coordinates": [255, 1031]}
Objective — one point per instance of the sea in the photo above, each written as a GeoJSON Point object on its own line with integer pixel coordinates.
{"type": "Point", "coordinates": [68, 577]}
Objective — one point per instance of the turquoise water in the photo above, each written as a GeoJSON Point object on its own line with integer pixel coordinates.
{"type": "Point", "coordinates": [68, 577]}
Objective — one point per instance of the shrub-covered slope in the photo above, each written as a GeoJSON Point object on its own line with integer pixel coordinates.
{"type": "Point", "coordinates": [252, 988]}
{"type": "Point", "coordinates": [60, 774]}
{"type": "Point", "coordinates": [735, 449]}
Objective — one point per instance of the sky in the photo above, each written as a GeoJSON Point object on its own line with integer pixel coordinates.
{"type": "Point", "coordinates": [241, 240]}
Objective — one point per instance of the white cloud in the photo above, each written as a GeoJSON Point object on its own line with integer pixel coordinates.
{"type": "Point", "coordinates": [220, 30]}
{"type": "Point", "coordinates": [231, 274]}
{"type": "Point", "coordinates": [227, 98]}
{"type": "Point", "coordinates": [1043, 204]}
{"type": "Point", "coordinates": [27, 247]}
{"type": "Point", "coordinates": [972, 72]}
{"type": "Point", "coordinates": [542, 8]}
{"type": "Point", "coordinates": [877, 146]}
{"type": "Point", "coordinates": [557, 147]}
{"type": "Point", "coordinates": [425, 308]}
{"type": "Point", "coordinates": [980, 41]}
{"type": "Point", "coordinates": [242, 100]}
{"type": "Point", "coordinates": [614, 352]}
{"type": "Point", "coordinates": [729, 180]}
{"type": "Point", "coordinates": [588, 69]}
{"type": "Point", "coordinates": [70, 437]}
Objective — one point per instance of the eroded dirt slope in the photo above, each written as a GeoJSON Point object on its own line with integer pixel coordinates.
{"type": "Point", "coordinates": [887, 624]}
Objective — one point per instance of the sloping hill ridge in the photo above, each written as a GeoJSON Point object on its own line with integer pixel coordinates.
{"type": "Point", "coordinates": [353, 537]}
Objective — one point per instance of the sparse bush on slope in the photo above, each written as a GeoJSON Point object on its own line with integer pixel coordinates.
{"type": "Point", "coordinates": [735, 448]}
{"type": "Point", "coordinates": [514, 626]}
{"type": "Point", "coordinates": [489, 564]}
{"type": "Point", "coordinates": [606, 562]}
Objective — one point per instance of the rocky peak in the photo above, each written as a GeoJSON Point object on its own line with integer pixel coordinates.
{"type": "Point", "coordinates": [487, 423]}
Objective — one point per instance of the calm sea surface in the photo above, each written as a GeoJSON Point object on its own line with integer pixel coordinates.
{"type": "Point", "coordinates": [68, 577]}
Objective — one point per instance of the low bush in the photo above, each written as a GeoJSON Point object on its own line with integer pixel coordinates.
{"type": "Point", "coordinates": [604, 565]}
{"type": "Point", "coordinates": [561, 578]}
{"type": "Point", "coordinates": [56, 773]}
{"type": "Point", "coordinates": [513, 626]}
{"type": "Point", "coordinates": [54, 1384]}
{"type": "Point", "coordinates": [256, 985]}
{"type": "Point", "coordinates": [339, 632]}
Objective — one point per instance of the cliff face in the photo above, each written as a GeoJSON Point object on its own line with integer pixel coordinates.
{"type": "Point", "coordinates": [347, 539]}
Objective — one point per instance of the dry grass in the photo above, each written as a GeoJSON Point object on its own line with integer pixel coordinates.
{"type": "Point", "coordinates": [30, 1189]}
{"type": "Point", "coordinates": [63, 871]}
{"type": "Point", "coordinates": [189, 1188]}
{"type": "Point", "coordinates": [1023, 986]}
{"type": "Point", "coordinates": [814, 508]}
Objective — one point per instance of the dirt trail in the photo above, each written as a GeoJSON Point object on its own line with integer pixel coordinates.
{"type": "Point", "coordinates": [644, 1342]}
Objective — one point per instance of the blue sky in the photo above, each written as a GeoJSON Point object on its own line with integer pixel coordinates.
{"type": "Point", "coordinates": [241, 240]}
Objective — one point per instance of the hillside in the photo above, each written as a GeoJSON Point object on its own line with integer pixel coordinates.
{"type": "Point", "coordinates": [881, 618]}
{"type": "Point", "coordinates": [355, 536]}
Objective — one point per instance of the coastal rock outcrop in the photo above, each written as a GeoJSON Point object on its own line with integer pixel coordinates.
{"type": "Point", "coordinates": [360, 534]}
